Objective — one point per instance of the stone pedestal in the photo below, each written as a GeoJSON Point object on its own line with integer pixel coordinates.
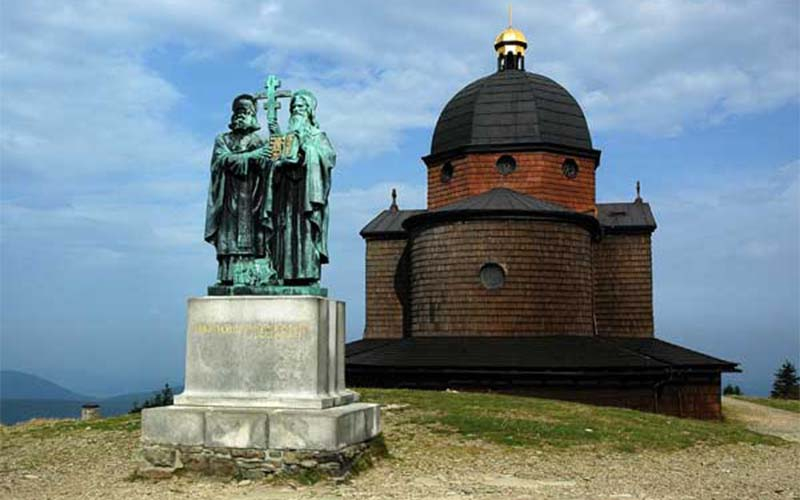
{"type": "Point", "coordinates": [264, 377]}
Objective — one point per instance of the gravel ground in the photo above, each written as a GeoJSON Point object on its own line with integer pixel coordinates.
{"type": "Point", "coordinates": [765, 420]}
{"type": "Point", "coordinates": [423, 465]}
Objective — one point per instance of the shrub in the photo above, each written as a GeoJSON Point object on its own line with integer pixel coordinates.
{"type": "Point", "coordinates": [162, 398]}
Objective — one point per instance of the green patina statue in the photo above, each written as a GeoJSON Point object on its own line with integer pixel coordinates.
{"type": "Point", "coordinates": [302, 182]}
{"type": "Point", "coordinates": [237, 218]}
{"type": "Point", "coordinates": [267, 212]}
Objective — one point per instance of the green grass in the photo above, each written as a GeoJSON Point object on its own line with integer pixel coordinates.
{"type": "Point", "coordinates": [792, 405]}
{"type": "Point", "coordinates": [44, 428]}
{"type": "Point", "coordinates": [533, 422]}
{"type": "Point", "coordinates": [506, 420]}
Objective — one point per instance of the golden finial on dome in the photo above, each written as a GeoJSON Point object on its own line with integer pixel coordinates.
{"type": "Point", "coordinates": [510, 40]}
{"type": "Point", "coordinates": [510, 45]}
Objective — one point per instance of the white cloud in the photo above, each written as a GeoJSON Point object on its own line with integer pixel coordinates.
{"type": "Point", "coordinates": [738, 236]}
{"type": "Point", "coordinates": [726, 267]}
{"type": "Point", "coordinates": [67, 115]}
{"type": "Point", "coordinates": [655, 67]}
{"type": "Point", "coordinates": [87, 129]}
{"type": "Point", "coordinates": [359, 205]}
{"type": "Point", "coordinates": [760, 249]}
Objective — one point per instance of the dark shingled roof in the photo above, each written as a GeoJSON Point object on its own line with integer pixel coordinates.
{"type": "Point", "coordinates": [388, 224]}
{"type": "Point", "coordinates": [500, 203]}
{"type": "Point", "coordinates": [362, 346]}
{"type": "Point", "coordinates": [503, 199]}
{"type": "Point", "coordinates": [552, 353]}
{"type": "Point", "coordinates": [626, 217]}
{"type": "Point", "coordinates": [508, 108]}
{"type": "Point", "coordinates": [613, 217]}
{"type": "Point", "coordinates": [668, 353]}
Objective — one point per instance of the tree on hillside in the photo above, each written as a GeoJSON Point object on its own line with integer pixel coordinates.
{"type": "Point", "coordinates": [732, 390]}
{"type": "Point", "coordinates": [163, 398]}
{"type": "Point", "coordinates": [787, 383]}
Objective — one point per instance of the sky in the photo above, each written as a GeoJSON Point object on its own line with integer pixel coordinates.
{"type": "Point", "coordinates": [108, 111]}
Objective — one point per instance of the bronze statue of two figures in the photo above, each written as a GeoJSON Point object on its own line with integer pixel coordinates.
{"type": "Point", "coordinates": [267, 213]}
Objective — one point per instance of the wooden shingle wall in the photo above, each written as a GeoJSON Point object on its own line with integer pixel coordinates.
{"type": "Point", "coordinates": [624, 285]}
{"type": "Point", "coordinates": [384, 310]}
{"type": "Point", "coordinates": [698, 399]}
{"type": "Point", "coordinates": [538, 174]}
{"type": "Point", "coordinates": [695, 400]}
{"type": "Point", "coordinates": [548, 286]}
{"type": "Point", "coordinates": [697, 396]}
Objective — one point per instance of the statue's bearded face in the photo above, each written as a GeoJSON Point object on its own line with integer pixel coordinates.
{"type": "Point", "coordinates": [300, 115]}
{"type": "Point", "coordinates": [300, 107]}
{"type": "Point", "coordinates": [243, 120]}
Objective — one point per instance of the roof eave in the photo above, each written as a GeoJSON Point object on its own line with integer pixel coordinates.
{"type": "Point", "coordinates": [432, 218]}
{"type": "Point", "coordinates": [384, 235]}
{"type": "Point", "coordinates": [628, 229]}
{"type": "Point", "coordinates": [434, 158]}
{"type": "Point", "coordinates": [541, 371]}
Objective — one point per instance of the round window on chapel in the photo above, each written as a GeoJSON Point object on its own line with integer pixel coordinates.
{"type": "Point", "coordinates": [492, 276]}
{"type": "Point", "coordinates": [447, 172]}
{"type": "Point", "coordinates": [570, 168]}
{"type": "Point", "coordinates": [506, 164]}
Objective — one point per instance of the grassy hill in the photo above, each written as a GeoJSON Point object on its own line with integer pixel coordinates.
{"type": "Point", "coordinates": [441, 445]}
{"type": "Point", "coordinates": [509, 420]}
{"type": "Point", "coordinates": [525, 421]}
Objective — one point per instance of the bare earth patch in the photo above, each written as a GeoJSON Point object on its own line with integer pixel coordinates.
{"type": "Point", "coordinates": [763, 419]}
{"type": "Point", "coordinates": [426, 463]}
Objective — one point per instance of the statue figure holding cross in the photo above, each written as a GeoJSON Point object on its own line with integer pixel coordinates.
{"type": "Point", "coordinates": [302, 184]}
{"type": "Point", "coordinates": [267, 210]}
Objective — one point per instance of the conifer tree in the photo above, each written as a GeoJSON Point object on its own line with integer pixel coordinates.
{"type": "Point", "coordinates": [163, 398]}
{"type": "Point", "coordinates": [732, 390]}
{"type": "Point", "coordinates": [787, 383]}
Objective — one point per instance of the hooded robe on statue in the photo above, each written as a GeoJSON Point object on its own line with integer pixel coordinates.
{"type": "Point", "coordinates": [300, 198]}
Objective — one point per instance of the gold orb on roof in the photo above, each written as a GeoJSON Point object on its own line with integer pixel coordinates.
{"type": "Point", "coordinates": [511, 40]}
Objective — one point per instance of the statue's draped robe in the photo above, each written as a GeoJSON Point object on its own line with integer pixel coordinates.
{"type": "Point", "coordinates": [237, 221]}
{"type": "Point", "coordinates": [301, 192]}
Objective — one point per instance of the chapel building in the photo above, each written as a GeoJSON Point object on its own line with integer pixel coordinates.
{"type": "Point", "coordinates": [515, 279]}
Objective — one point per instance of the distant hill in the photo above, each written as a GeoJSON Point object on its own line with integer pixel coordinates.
{"type": "Point", "coordinates": [20, 385]}
{"type": "Point", "coordinates": [24, 396]}
{"type": "Point", "coordinates": [136, 397]}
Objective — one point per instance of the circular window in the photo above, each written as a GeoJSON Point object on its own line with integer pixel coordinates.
{"type": "Point", "coordinates": [506, 164]}
{"type": "Point", "coordinates": [492, 275]}
{"type": "Point", "coordinates": [447, 172]}
{"type": "Point", "coordinates": [570, 168]}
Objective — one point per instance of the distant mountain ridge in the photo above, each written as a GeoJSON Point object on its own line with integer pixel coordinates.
{"type": "Point", "coordinates": [21, 385]}
{"type": "Point", "coordinates": [24, 396]}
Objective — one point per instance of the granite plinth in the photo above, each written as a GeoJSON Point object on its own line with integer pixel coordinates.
{"type": "Point", "coordinates": [264, 381]}
{"type": "Point", "coordinates": [265, 352]}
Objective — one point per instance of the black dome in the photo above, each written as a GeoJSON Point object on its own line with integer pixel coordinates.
{"type": "Point", "coordinates": [507, 108]}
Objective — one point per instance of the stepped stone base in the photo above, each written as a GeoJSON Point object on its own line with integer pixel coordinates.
{"type": "Point", "coordinates": [247, 463]}
{"type": "Point", "coordinates": [252, 443]}
{"type": "Point", "coordinates": [264, 393]}
{"type": "Point", "coordinates": [330, 429]}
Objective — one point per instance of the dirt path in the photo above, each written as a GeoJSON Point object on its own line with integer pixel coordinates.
{"type": "Point", "coordinates": [763, 419]}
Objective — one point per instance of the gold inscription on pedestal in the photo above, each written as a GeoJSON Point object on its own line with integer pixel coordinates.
{"type": "Point", "coordinates": [287, 330]}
